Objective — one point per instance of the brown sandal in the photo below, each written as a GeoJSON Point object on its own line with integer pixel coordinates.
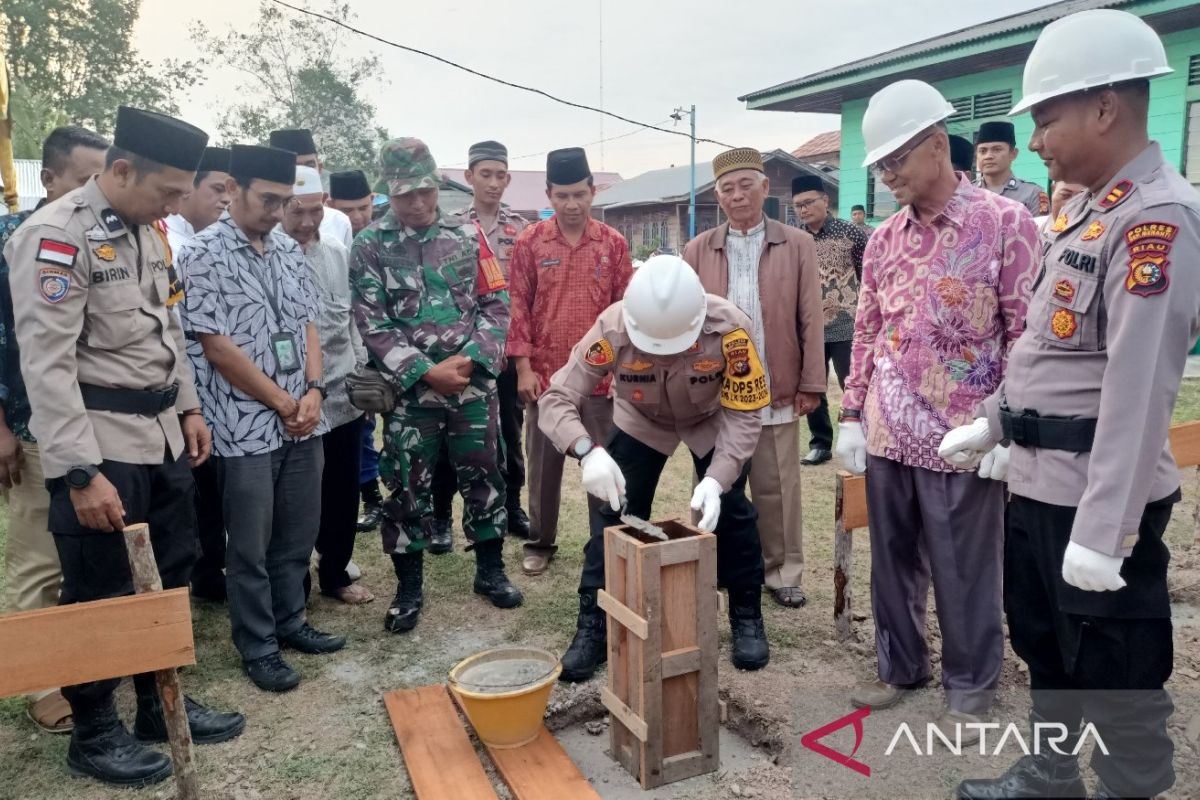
{"type": "Point", "coordinates": [354, 594]}
{"type": "Point", "coordinates": [52, 713]}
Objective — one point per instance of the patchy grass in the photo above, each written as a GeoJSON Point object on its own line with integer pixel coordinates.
{"type": "Point", "coordinates": [331, 737]}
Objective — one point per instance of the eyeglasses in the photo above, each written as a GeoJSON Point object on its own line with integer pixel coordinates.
{"type": "Point", "coordinates": [804, 205]}
{"type": "Point", "coordinates": [894, 162]}
{"type": "Point", "coordinates": [270, 202]}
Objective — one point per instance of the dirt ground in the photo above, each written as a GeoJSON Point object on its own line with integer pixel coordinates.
{"type": "Point", "coordinates": [331, 738]}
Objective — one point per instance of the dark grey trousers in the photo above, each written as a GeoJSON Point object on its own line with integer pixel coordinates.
{"type": "Point", "coordinates": [272, 507]}
{"type": "Point", "coordinates": [948, 526]}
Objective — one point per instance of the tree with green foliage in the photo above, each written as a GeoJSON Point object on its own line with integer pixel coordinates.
{"type": "Point", "coordinates": [73, 62]}
{"type": "Point", "coordinates": [300, 72]}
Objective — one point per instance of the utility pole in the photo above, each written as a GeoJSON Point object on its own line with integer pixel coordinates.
{"type": "Point", "coordinates": [677, 116]}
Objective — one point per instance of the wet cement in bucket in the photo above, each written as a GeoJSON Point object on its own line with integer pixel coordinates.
{"type": "Point", "coordinates": [503, 674]}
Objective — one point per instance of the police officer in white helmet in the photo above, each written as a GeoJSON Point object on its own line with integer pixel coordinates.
{"type": "Point", "coordinates": [1085, 408]}
{"type": "Point", "coordinates": [685, 370]}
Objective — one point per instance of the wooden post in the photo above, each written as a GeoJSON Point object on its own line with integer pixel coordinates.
{"type": "Point", "coordinates": [179, 734]}
{"type": "Point", "coordinates": [661, 600]}
{"type": "Point", "coordinates": [843, 558]}
{"type": "Point", "coordinates": [1196, 517]}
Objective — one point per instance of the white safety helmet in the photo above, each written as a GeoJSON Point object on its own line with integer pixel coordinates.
{"type": "Point", "coordinates": [897, 113]}
{"type": "Point", "coordinates": [664, 306]}
{"type": "Point", "coordinates": [1089, 49]}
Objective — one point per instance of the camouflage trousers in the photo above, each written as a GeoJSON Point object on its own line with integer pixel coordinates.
{"type": "Point", "coordinates": [412, 439]}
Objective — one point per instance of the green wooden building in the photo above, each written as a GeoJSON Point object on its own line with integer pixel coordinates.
{"type": "Point", "coordinates": [979, 71]}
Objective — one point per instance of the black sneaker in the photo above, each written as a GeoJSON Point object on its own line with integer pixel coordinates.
{"type": "Point", "coordinates": [271, 673]}
{"type": "Point", "coordinates": [441, 538]}
{"type": "Point", "coordinates": [208, 726]}
{"type": "Point", "coordinates": [308, 639]}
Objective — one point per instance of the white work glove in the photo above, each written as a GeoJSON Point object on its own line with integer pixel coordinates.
{"type": "Point", "coordinates": [852, 447]}
{"type": "Point", "coordinates": [1086, 569]}
{"type": "Point", "coordinates": [966, 445]}
{"type": "Point", "coordinates": [707, 499]}
{"type": "Point", "coordinates": [602, 477]}
{"type": "Point", "coordinates": [994, 464]}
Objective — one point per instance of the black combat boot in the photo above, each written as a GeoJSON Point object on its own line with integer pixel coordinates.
{"type": "Point", "coordinates": [1046, 774]}
{"type": "Point", "coordinates": [1102, 792]}
{"type": "Point", "coordinates": [101, 748]}
{"type": "Point", "coordinates": [372, 507]}
{"type": "Point", "coordinates": [518, 520]}
{"type": "Point", "coordinates": [402, 614]}
{"type": "Point", "coordinates": [749, 648]}
{"type": "Point", "coordinates": [441, 537]}
{"type": "Point", "coordinates": [490, 580]}
{"type": "Point", "coordinates": [208, 726]}
{"type": "Point", "coordinates": [589, 648]}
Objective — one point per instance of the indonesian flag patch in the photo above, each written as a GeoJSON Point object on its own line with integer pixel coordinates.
{"type": "Point", "coordinates": [60, 253]}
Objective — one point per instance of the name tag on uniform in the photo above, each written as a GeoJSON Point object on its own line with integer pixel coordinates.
{"type": "Point", "coordinates": [287, 354]}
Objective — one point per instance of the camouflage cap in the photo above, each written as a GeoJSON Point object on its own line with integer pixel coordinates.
{"type": "Point", "coordinates": [405, 165]}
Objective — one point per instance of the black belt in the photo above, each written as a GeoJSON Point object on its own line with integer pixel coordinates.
{"type": "Point", "coordinates": [150, 402]}
{"type": "Point", "coordinates": [1030, 429]}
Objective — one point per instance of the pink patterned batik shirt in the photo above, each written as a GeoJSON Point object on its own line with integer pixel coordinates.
{"type": "Point", "coordinates": [939, 308]}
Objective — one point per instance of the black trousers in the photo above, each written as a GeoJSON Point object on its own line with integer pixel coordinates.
{"type": "Point", "coordinates": [819, 424]}
{"type": "Point", "coordinates": [512, 465]}
{"type": "Point", "coordinates": [95, 564]}
{"type": "Point", "coordinates": [1102, 657]}
{"type": "Point", "coordinates": [210, 522]}
{"type": "Point", "coordinates": [739, 554]}
{"type": "Point", "coordinates": [339, 503]}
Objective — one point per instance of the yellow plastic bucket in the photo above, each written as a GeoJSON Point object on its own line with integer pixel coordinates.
{"type": "Point", "coordinates": [504, 692]}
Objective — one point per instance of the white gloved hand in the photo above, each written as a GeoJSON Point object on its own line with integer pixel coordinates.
{"type": "Point", "coordinates": [602, 477]}
{"type": "Point", "coordinates": [1086, 569]}
{"type": "Point", "coordinates": [966, 445]}
{"type": "Point", "coordinates": [994, 464]}
{"type": "Point", "coordinates": [707, 499]}
{"type": "Point", "coordinates": [852, 447]}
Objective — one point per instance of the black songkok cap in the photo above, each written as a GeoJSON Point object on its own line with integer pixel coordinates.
{"type": "Point", "coordinates": [298, 140]}
{"type": "Point", "coordinates": [567, 166]}
{"type": "Point", "coordinates": [248, 161]}
{"type": "Point", "coordinates": [807, 183]}
{"type": "Point", "coordinates": [215, 159]}
{"type": "Point", "coordinates": [997, 132]}
{"type": "Point", "coordinates": [487, 151]}
{"type": "Point", "coordinates": [349, 185]}
{"type": "Point", "coordinates": [962, 153]}
{"type": "Point", "coordinates": [160, 138]}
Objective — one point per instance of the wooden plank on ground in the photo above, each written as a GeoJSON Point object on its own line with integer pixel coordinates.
{"type": "Point", "coordinates": [1185, 444]}
{"type": "Point", "coordinates": [541, 770]}
{"type": "Point", "coordinates": [441, 762]}
{"type": "Point", "coordinates": [82, 642]}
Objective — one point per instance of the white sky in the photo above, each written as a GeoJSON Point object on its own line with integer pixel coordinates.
{"type": "Point", "coordinates": [656, 55]}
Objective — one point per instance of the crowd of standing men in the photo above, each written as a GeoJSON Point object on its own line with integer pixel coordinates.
{"type": "Point", "coordinates": [218, 336]}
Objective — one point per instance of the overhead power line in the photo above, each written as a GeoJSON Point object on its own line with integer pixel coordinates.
{"type": "Point", "coordinates": [478, 74]}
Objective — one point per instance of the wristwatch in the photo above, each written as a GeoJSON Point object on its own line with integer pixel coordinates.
{"type": "Point", "coordinates": [849, 414]}
{"type": "Point", "coordinates": [583, 445]}
{"type": "Point", "coordinates": [319, 385]}
{"type": "Point", "coordinates": [80, 477]}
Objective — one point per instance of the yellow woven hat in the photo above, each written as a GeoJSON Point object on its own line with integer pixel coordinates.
{"type": "Point", "coordinates": [737, 158]}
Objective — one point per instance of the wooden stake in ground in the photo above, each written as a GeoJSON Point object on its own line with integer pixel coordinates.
{"type": "Point", "coordinates": [179, 734]}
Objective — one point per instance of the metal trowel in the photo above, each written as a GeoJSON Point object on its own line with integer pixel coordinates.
{"type": "Point", "coordinates": [639, 524]}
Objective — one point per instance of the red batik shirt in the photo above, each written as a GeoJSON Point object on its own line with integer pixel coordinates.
{"type": "Point", "coordinates": [558, 290]}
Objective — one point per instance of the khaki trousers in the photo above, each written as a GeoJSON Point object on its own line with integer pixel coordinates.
{"type": "Point", "coordinates": [775, 491]}
{"type": "Point", "coordinates": [32, 572]}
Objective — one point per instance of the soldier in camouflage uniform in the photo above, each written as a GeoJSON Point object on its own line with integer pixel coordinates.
{"type": "Point", "coordinates": [430, 302]}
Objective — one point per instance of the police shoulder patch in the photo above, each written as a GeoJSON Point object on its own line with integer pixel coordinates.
{"type": "Point", "coordinates": [1148, 244]}
{"type": "Point", "coordinates": [1116, 194]}
{"type": "Point", "coordinates": [745, 385]}
{"type": "Point", "coordinates": [53, 284]}
{"type": "Point", "coordinates": [599, 353]}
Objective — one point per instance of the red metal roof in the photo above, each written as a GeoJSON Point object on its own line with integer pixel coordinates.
{"type": "Point", "coordinates": [820, 145]}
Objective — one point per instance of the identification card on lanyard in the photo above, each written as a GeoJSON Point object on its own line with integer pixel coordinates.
{"type": "Point", "coordinates": [283, 344]}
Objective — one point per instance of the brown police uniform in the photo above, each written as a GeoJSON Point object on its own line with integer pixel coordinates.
{"type": "Point", "coordinates": [708, 397]}
{"type": "Point", "coordinates": [1086, 404]}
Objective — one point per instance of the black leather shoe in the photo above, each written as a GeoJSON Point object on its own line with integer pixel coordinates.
{"type": "Point", "coordinates": [490, 579]}
{"type": "Point", "coordinates": [210, 589]}
{"type": "Point", "coordinates": [749, 649]}
{"type": "Point", "coordinates": [312, 641]}
{"type": "Point", "coordinates": [208, 726]}
{"type": "Point", "coordinates": [589, 648]}
{"type": "Point", "coordinates": [271, 673]}
{"type": "Point", "coordinates": [518, 522]}
{"type": "Point", "coordinates": [369, 519]}
{"type": "Point", "coordinates": [405, 610]}
{"type": "Point", "coordinates": [1102, 792]}
{"type": "Point", "coordinates": [101, 748]}
{"type": "Point", "coordinates": [816, 456]}
{"type": "Point", "coordinates": [1042, 775]}
{"type": "Point", "coordinates": [441, 538]}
